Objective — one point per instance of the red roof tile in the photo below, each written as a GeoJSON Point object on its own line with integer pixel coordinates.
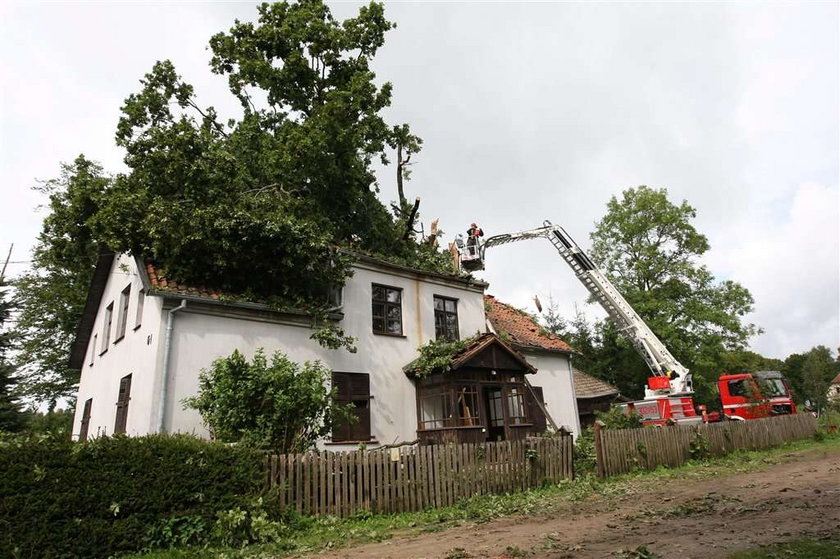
{"type": "Point", "coordinates": [158, 279]}
{"type": "Point", "coordinates": [521, 329]}
{"type": "Point", "coordinates": [836, 380]}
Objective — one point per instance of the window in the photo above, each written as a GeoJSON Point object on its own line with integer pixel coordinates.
{"type": "Point", "coordinates": [516, 406]}
{"type": "Point", "coordinates": [122, 404]}
{"type": "Point", "coordinates": [122, 319]}
{"type": "Point", "coordinates": [141, 300]}
{"type": "Point", "coordinates": [535, 412]}
{"type": "Point", "coordinates": [435, 409]}
{"type": "Point", "coordinates": [106, 327]}
{"type": "Point", "coordinates": [494, 408]}
{"type": "Point", "coordinates": [93, 348]}
{"type": "Point", "coordinates": [387, 310]}
{"type": "Point", "coordinates": [740, 388]}
{"type": "Point", "coordinates": [83, 432]}
{"type": "Point", "coordinates": [353, 389]}
{"type": "Point", "coordinates": [467, 406]}
{"type": "Point", "coordinates": [446, 318]}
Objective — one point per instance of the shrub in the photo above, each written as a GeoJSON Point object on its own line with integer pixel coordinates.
{"type": "Point", "coordinates": [584, 454]}
{"type": "Point", "coordinates": [277, 405]}
{"type": "Point", "coordinates": [112, 495]}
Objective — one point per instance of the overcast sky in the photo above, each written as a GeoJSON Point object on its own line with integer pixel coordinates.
{"type": "Point", "coordinates": [528, 112]}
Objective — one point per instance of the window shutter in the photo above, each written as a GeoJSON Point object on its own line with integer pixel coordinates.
{"type": "Point", "coordinates": [83, 432]}
{"type": "Point", "coordinates": [353, 389]}
{"type": "Point", "coordinates": [535, 414]}
{"type": "Point", "coordinates": [122, 404]}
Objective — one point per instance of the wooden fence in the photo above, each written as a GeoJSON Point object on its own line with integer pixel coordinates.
{"type": "Point", "coordinates": [620, 451]}
{"type": "Point", "coordinates": [412, 478]}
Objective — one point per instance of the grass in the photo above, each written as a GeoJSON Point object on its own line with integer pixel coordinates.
{"type": "Point", "coordinates": [827, 547]}
{"type": "Point", "coordinates": [313, 534]}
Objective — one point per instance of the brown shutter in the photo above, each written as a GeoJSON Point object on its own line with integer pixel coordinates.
{"type": "Point", "coordinates": [535, 414]}
{"type": "Point", "coordinates": [122, 404]}
{"type": "Point", "coordinates": [83, 432]}
{"type": "Point", "coordinates": [353, 389]}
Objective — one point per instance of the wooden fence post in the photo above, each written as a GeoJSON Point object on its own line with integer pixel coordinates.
{"type": "Point", "coordinates": [599, 449]}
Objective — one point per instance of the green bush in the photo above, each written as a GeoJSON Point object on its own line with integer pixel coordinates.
{"type": "Point", "coordinates": [112, 495]}
{"type": "Point", "coordinates": [274, 404]}
{"type": "Point", "coordinates": [584, 453]}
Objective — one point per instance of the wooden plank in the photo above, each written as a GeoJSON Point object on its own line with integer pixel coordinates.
{"type": "Point", "coordinates": [428, 472]}
{"type": "Point", "coordinates": [414, 476]}
{"type": "Point", "coordinates": [351, 482]}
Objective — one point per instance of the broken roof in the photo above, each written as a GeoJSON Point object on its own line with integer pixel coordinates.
{"type": "Point", "coordinates": [521, 328]}
{"type": "Point", "coordinates": [476, 347]}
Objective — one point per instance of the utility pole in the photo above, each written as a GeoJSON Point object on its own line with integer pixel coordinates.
{"type": "Point", "coordinates": [6, 263]}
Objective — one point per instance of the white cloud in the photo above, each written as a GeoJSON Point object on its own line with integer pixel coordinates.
{"type": "Point", "coordinates": [792, 268]}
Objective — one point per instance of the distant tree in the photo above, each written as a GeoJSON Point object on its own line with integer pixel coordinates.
{"type": "Point", "coordinates": [52, 294]}
{"type": "Point", "coordinates": [277, 405]}
{"type": "Point", "coordinates": [743, 360]}
{"type": "Point", "coordinates": [553, 321]}
{"type": "Point", "coordinates": [817, 373]}
{"type": "Point", "coordinates": [12, 417]}
{"type": "Point", "coordinates": [650, 249]}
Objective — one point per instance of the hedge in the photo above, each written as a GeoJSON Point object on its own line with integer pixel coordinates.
{"type": "Point", "coordinates": [100, 498]}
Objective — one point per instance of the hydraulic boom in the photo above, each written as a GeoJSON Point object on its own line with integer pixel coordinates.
{"type": "Point", "coordinates": [673, 378]}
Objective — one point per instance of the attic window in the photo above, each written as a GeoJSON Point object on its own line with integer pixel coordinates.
{"type": "Point", "coordinates": [122, 319]}
{"type": "Point", "coordinates": [141, 300]}
{"type": "Point", "coordinates": [106, 327]}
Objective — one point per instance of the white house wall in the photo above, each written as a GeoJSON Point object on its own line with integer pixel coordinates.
{"type": "Point", "coordinates": [554, 375]}
{"type": "Point", "coordinates": [202, 334]}
{"type": "Point", "coordinates": [135, 354]}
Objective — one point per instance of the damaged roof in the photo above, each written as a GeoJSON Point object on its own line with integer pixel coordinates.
{"type": "Point", "coordinates": [475, 348]}
{"type": "Point", "coordinates": [159, 281]}
{"type": "Point", "coordinates": [520, 327]}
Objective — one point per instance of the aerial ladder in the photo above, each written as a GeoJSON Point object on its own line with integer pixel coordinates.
{"type": "Point", "coordinates": [669, 392]}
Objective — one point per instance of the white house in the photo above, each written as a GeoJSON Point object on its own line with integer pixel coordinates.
{"type": "Point", "coordinates": [144, 338]}
{"type": "Point", "coordinates": [834, 390]}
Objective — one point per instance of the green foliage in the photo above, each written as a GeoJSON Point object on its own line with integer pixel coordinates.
{"type": "Point", "coordinates": [113, 495]}
{"type": "Point", "coordinates": [276, 405]}
{"type": "Point", "coordinates": [436, 356]}
{"type": "Point", "coordinates": [650, 250]}
{"type": "Point", "coordinates": [331, 336]}
{"type": "Point", "coordinates": [817, 373]}
{"type": "Point", "coordinates": [616, 418]}
{"type": "Point", "coordinates": [259, 203]}
{"type": "Point", "coordinates": [52, 294]}
{"type": "Point", "coordinates": [12, 417]}
{"type": "Point", "coordinates": [699, 447]}
{"type": "Point", "coordinates": [553, 321]}
{"type": "Point", "coordinates": [584, 454]}
{"type": "Point", "coordinates": [55, 423]}
{"type": "Point", "coordinates": [827, 547]}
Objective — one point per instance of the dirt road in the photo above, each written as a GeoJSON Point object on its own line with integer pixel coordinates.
{"type": "Point", "coordinates": [798, 495]}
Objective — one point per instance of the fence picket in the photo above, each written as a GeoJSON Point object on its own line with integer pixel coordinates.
{"type": "Point", "coordinates": [670, 446]}
{"type": "Point", "coordinates": [342, 483]}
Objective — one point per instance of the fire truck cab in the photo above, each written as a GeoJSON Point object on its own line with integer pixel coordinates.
{"type": "Point", "coordinates": [755, 395]}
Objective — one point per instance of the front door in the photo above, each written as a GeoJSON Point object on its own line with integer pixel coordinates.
{"type": "Point", "coordinates": [494, 404]}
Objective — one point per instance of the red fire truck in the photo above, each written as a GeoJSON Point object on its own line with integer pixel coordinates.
{"type": "Point", "coordinates": [669, 392]}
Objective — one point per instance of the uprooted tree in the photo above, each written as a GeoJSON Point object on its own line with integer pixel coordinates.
{"type": "Point", "coordinates": [254, 205]}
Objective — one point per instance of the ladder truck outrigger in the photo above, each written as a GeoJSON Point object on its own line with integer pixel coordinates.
{"type": "Point", "coordinates": [669, 391]}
